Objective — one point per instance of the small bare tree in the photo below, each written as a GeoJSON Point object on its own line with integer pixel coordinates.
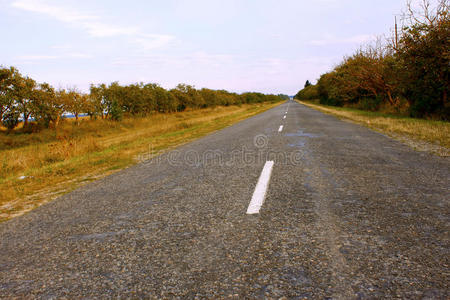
{"type": "Point", "coordinates": [424, 12]}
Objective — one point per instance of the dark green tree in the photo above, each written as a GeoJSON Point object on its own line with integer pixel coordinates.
{"type": "Point", "coordinates": [11, 119]}
{"type": "Point", "coordinates": [116, 111]}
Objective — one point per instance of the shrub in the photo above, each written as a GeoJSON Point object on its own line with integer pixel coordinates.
{"type": "Point", "coordinates": [11, 119]}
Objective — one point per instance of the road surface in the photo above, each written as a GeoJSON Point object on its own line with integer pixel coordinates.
{"type": "Point", "coordinates": [344, 213]}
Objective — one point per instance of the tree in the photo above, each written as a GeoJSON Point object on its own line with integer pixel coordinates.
{"type": "Point", "coordinates": [15, 93]}
{"type": "Point", "coordinates": [165, 100]}
{"type": "Point", "coordinates": [48, 105]}
{"type": "Point", "coordinates": [187, 96]}
{"type": "Point", "coordinates": [6, 76]}
{"type": "Point", "coordinates": [424, 56]}
{"type": "Point", "coordinates": [24, 87]}
{"type": "Point", "coordinates": [307, 83]}
{"type": "Point", "coordinates": [149, 98]}
{"type": "Point", "coordinates": [116, 111]}
{"type": "Point", "coordinates": [308, 93]}
{"type": "Point", "coordinates": [113, 99]}
{"type": "Point", "coordinates": [75, 103]}
{"type": "Point", "coordinates": [210, 97]}
{"type": "Point", "coordinates": [97, 101]}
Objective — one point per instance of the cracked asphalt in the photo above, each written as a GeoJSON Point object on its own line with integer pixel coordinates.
{"type": "Point", "coordinates": [348, 214]}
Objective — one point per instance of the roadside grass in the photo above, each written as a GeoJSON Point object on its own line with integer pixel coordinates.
{"type": "Point", "coordinates": [37, 168]}
{"type": "Point", "coordinates": [423, 135]}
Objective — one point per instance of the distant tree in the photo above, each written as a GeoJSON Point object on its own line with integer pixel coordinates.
{"type": "Point", "coordinates": [149, 97]}
{"type": "Point", "coordinates": [283, 96]}
{"type": "Point", "coordinates": [165, 100]}
{"type": "Point", "coordinates": [187, 96]}
{"type": "Point", "coordinates": [112, 96]}
{"type": "Point", "coordinates": [22, 96]}
{"type": "Point", "coordinates": [97, 101]}
{"type": "Point", "coordinates": [47, 105]}
{"type": "Point", "coordinates": [210, 97]}
{"type": "Point", "coordinates": [308, 93]}
{"type": "Point", "coordinates": [307, 83]}
{"type": "Point", "coordinates": [76, 103]}
{"type": "Point", "coordinates": [116, 111]}
{"type": "Point", "coordinates": [23, 92]}
{"type": "Point", "coordinates": [132, 99]}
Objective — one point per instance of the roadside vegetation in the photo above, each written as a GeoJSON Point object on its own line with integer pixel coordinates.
{"type": "Point", "coordinates": [423, 135]}
{"type": "Point", "coordinates": [23, 99]}
{"type": "Point", "coordinates": [408, 75]}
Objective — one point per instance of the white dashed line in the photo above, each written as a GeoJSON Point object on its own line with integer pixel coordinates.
{"type": "Point", "coordinates": [260, 190]}
{"type": "Point", "coordinates": [280, 129]}
{"type": "Point", "coordinates": [284, 117]}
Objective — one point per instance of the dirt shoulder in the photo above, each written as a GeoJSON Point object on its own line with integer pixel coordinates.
{"type": "Point", "coordinates": [422, 135]}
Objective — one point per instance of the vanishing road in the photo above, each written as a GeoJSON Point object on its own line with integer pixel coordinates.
{"type": "Point", "coordinates": [348, 214]}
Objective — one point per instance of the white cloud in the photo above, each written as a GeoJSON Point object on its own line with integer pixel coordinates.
{"type": "Point", "coordinates": [92, 24]}
{"type": "Point", "coordinates": [191, 60]}
{"type": "Point", "coordinates": [152, 41]}
{"type": "Point", "coordinates": [52, 57]}
{"type": "Point", "coordinates": [357, 39]}
{"type": "Point", "coordinates": [99, 29]}
{"type": "Point", "coordinates": [58, 13]}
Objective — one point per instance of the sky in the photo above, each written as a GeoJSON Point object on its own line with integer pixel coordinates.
{"type": "Point", "coordinates": [269, 46]}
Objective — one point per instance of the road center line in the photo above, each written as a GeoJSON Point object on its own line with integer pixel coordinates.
{"type": "Point", "coordinates": [280, 129]}
{"type": "Point", "coordinates": [284, 117]}
{"type": "Point", "coordinates": [260, 190]}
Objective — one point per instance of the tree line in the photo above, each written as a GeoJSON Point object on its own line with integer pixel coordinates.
{"type": "Point", "coordinates": [409, 72]}
{"type": "Point", "coordinates": [23, 99]}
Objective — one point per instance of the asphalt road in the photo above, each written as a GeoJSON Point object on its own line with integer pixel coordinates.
{"type": "Point", "coordinates": [348, 213]}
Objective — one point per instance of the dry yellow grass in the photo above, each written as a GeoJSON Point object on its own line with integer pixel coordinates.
{"type": "Point", "coordinates": [423, 135]}
{"type": "Point", "coordinates": [54, 162]}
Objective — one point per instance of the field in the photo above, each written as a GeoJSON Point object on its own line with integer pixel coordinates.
{"type": "Point", "coordinates": [37, 168]}
{"type": "Point", "coordinates": [423, 135]}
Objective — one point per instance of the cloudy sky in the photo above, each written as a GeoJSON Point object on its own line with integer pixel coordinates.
{"type": "Point", "coordinates": [271, 46]}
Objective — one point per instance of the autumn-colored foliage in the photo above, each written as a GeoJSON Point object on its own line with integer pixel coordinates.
{"type": "Point", "coordinates": [409, 74]}
{"type": "Point", "coordinates": [22, 98]}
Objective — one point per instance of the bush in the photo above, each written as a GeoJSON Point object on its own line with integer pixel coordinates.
{"type": "Point", "coordinates": [10, 119]}
{"type": "Point", "coordinates": [330, 101]}
{"type": "Point", "coordinates": [310, 92]}
{"type": "Point", "coordinates": [369, 103]}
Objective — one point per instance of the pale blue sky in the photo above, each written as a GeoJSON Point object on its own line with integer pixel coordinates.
{"type": "Point", "coordinates": [271, 46]}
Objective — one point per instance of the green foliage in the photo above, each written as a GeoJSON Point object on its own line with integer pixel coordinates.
{"type": "Point", "coordinates": [116, 111]}
{"type": "Point", "coordinates": [47, 105]}
{"type": "Point", "coordinates": [23, 96]}
{"type": "Point", "coordinates": [10, 119]}
{"type": "Point", "coordinates": [284, 97]}
{"type": "Point", "coordinates": [370, 103]}
{"type": "Point", "coordinates": [308, 93]}
{"type": "Point", "coordinates": [5, 90]}
{"type": "Point", "coordinates": [424, 55]}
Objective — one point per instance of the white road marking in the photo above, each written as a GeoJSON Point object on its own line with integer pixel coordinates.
{"type": "Point", "coordinates": [284, 117]}
{"type": "Point", "coordinates": [280, 129]}
{"type": "Point", "coordinates": [260, 190]}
